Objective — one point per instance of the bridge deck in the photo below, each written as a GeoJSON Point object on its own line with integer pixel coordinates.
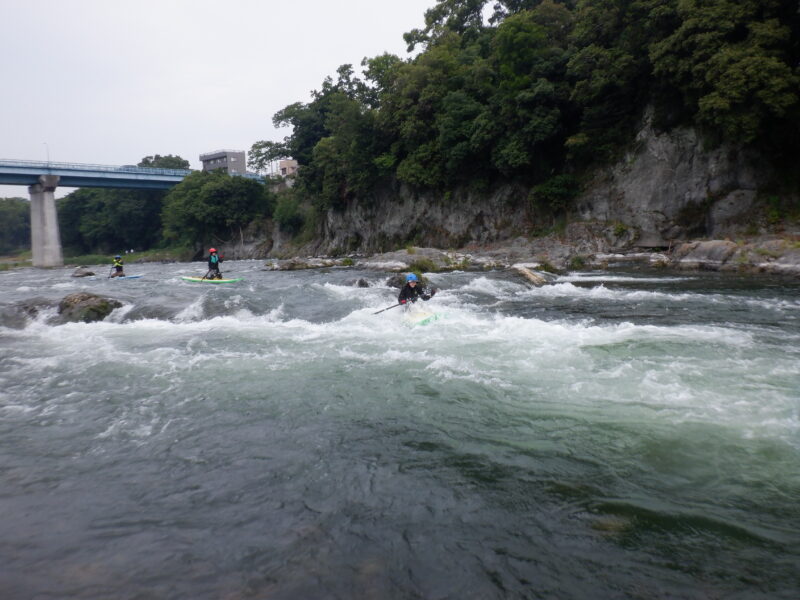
{"type": "Point", "coordinates": [22, 172]}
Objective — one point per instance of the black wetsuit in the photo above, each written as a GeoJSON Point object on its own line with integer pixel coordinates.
{"type": "Point", "coordinates": [413, 293]}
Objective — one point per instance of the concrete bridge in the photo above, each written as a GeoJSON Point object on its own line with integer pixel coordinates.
{"type": "Point", "coordinates": [42, 178]}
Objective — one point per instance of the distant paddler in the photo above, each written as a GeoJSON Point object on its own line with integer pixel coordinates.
{"type": "Point", "coordinates": [116, 267]}
{"type": "Point", "coordinates": [214, 262]}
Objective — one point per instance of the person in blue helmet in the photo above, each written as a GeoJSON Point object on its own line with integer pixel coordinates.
{"type": "Point", "coordinates": [411, 292]}
{"type": "Point", "coordinates": [117, 268]}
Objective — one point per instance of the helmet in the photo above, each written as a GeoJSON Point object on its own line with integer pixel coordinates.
{"type": "Point", "coordinates": [210, 250]}
{"type": "Point", "coordinates": [117, 256]}
{"type": "Point", "coordinates": [411, 277]}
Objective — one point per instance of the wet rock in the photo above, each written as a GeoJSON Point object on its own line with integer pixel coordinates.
{"type": "Point", "coordinates": [788, 263]}
{"type": "Point", "coordinates": [17, 316]}
{"type": "Point", "coordinates": [396, 281]}
{"type": "Point", "coordinates": [301, 263]}
{"type": "Point", "coordinates": [710, 254]}
{"type": "Point", "coordinates": [360, 282]}
{"type": "Point", "coordinates": [603, 260]}
{"type": "Point", "coordinates": [86, 308]}
{"type": "Point", "coordinates": [529, 275]}
{"type": "Point", "coordinates": [82, 271]}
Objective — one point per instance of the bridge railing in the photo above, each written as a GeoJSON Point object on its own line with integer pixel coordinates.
{"type": "Point", "coordinates": [33, 164]}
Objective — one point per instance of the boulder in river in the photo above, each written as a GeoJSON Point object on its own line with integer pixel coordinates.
{"type": "Point", "coordinates": [82, 271]}
{"type": "Point", "coordinates": [17, 316]}
{"type": "Point", "coordinates": [85, 307]}
{"type": "Point", "coordinates": [360, 282]}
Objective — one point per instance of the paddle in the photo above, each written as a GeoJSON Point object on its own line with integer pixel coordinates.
{"type": "Point", "coordinates": [206, 275]}
{"type": "Point", "coordinates": [388, 307]}
{"type": "Point", "coordinates": [110, 273]}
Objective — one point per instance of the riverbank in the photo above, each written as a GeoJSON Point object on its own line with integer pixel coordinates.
{"type": "Point", "coordinates": [578, 248]}
{"type": "Point", "coordinates": [779, 255]}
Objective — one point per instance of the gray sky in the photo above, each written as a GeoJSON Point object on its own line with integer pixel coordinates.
{"type": "Point", "coordinates": [112, 81]}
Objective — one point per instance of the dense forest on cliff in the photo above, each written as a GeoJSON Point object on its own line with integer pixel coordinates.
{"type": "Point", "coordinates": [539, 91]}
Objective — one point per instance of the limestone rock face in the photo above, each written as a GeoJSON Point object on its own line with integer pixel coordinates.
{"type": "Point", "coordinates": [86, 307]}
{"type": "Point", "coordinates": [669, 187]}
{"type": "Point", "coordinates": [397, 214]}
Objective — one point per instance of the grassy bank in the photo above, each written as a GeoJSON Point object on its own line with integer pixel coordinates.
{"type": "Point", "coordinates": [176, 254]}
{"type": "Point", "coordinates": [13, 261]}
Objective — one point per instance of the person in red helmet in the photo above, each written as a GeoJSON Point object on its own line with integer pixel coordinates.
{"type": "Point", "coordinates": [213, 264]}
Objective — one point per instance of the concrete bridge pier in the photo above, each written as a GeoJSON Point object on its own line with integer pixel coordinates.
{"type": "Point", "coordinates": [45, 238]}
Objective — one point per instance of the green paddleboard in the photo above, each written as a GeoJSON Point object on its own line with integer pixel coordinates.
{"type": "Point", "coordinates": [419, 317]}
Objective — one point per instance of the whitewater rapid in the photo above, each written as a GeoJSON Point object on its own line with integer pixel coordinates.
{"type": "Point", "coordinates": [659, 410]}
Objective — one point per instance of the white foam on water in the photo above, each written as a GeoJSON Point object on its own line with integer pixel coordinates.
{"type": "Point", "coordinates": [500, 288]}
{"type": "Point", "coordinates": [592, 277]}
{"type": "Point", "coordinates": [682, 373]}
{"type": "Point", "coordinates": [119, 314]}
{"type": "Point", "coordinates": [193, 311]}
{"type": "Point", "coordinates": [600, 292]}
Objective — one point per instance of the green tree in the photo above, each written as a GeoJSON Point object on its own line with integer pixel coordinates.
{"type": "Point", "coordinates": [164, 162]}
{"type": "Point", "coordinates": [15, 225]}
{"type": "Point", "coordinates": [288, 212]}
{"type": "Point", "coordinates": [265, 152]}
{"type": "Point", "coordinates": [544, 89]}
{"type": "Point", "coordinates": [109, 220]}
{"type": "Point", "coordinates": [735, 63]}
{"type": "Point", "coordinates": [213, 205]}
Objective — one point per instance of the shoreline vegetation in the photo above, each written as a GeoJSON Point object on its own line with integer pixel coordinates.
{"type": "Point", "coordinates": [773, 254]}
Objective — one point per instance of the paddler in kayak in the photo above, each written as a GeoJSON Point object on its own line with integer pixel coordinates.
{"type": "Point", "coordinates": [412, 293]}
{"type": "Point", "coordinates": [213, 265]}
{"type": "Point", "coordinates": [117, 268]}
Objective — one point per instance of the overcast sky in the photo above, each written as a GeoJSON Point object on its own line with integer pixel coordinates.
{"type": "Point", "coordinates": [111, 81]}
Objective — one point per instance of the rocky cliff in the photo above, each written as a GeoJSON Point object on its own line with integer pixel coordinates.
{"type": "Point", "coordinates": [667, 188]}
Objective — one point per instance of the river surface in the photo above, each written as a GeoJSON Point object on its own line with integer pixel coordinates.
{"type": "Point", "coordinates": [612, 435]}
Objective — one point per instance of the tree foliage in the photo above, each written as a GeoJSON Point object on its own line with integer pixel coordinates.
{"type": "Point", "coordinates": [15, 225]}
{"type": "Point", "coordinates": [213, 205]}
{"type": "Point", "coordinates": [99, 220]}
{"type": "Point", "coordinates": [164, 162]}
{"type": "Point", "coordinates": [533, 89]}
{"type": "Point", "coordinates": [110, 220]}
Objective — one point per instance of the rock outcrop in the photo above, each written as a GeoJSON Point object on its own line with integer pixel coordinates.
{"type": "Point", "coordinates": [82, 271]}
{"type": "Point", "coordinates": [669, 187]}
{"type": "Point", "coordinates": [18, 315]}
{"type": "Point", "coordinates": [86, 307]}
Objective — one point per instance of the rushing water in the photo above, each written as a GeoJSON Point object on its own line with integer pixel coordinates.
{"type": "Point", "coordinates": [612, 435]}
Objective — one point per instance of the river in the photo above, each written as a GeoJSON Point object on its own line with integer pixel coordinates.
{"type": "Point", "coordinates": [616, 434]}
